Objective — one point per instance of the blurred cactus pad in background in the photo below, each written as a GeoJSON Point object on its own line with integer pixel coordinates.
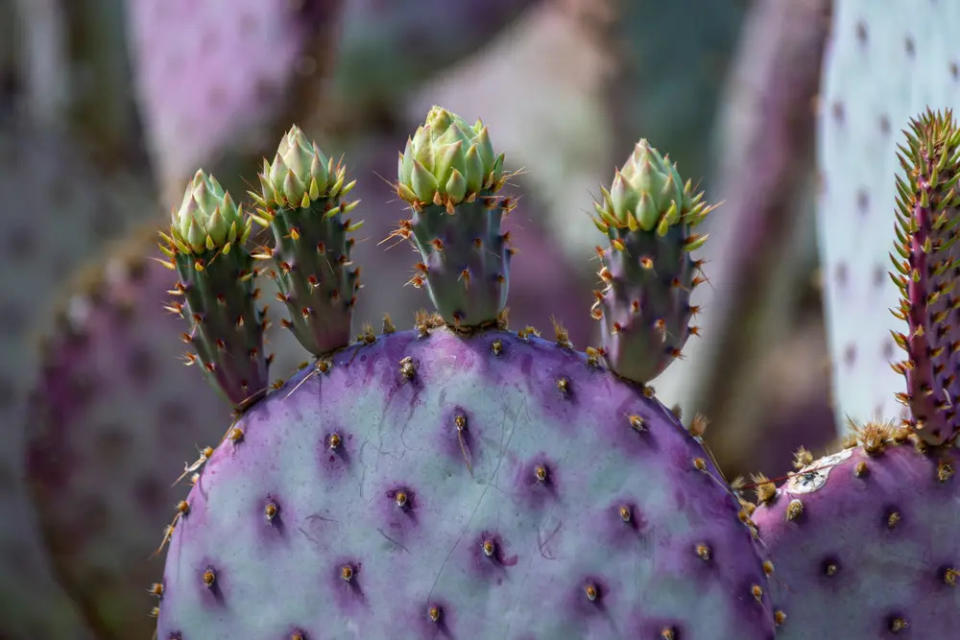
{"type": "Point", "coordinates": [461, 369]}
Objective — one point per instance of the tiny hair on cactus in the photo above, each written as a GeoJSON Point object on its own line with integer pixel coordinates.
{"type": "Point", "coordinates": [926, 266]}
{"type": "Point", "coordinates": [647, 214]}
{"type": "Point", "coordinates": [450, 176]}
{"type": "Point", "coordinates": [206, 248]}
{"type": "Point", "coordinates": [301, 201]}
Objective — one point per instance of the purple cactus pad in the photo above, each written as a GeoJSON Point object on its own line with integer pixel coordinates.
{"type": "Point", "coordinates": [528, 509]}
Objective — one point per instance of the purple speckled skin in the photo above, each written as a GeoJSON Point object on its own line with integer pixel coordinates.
{"type": "Point", "coordinates": [552, 539]}
{"type": "Point", "coordinates": [846, 567]}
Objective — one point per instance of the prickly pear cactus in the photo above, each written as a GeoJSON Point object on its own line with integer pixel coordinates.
{"type": "Point", "coordinates": [886, 61]}
{"type": "Point", "coordinates": [460, 480]}
{"type": "Point", "coordinates": [201, 92]}
{"type": "Point", "coordinates": [864, 542]}
{"type": "Point", "coordinates": [113, 419]}
{"type": "Point", "coordinates": [927, 268]}
{"type": "Point", "coordinates": [49, 175]}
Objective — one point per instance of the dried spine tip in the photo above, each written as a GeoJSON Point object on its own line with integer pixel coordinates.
{"type": "Point", "coordinates": [898, 624]}
{"type": "Point", "coordinates": [591, 591]}
{"type": "Point", "coordinates": [489, 547]}
{"type": "Point", "coordinates": [541, 473]}
{"type": "Point", "coordinates": [209, 577]}
{"type": "Point", "coordinates": [794, 509]}
{"type": "Point", "coordinates": [407, 368]}
{"type": "Point", "coordinates": [951, 576]}
{"type": "Point", "coordinates": [270, 510]}
{"type": "Point", "coordinates": [766, 490]}
{"type": "Point", "coordinates": [802, 458]}
{"type": "Point", "coordinates": [944, 470]}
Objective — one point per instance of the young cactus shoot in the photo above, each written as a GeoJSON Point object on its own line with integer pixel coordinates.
{"type": "Point", "coordinates": [647, 214]}
{"type": "Point", "coordinates": [450, 176]}
{"type": "Point", "coordinates": [927, 264]}
{"type": "Point", "coordinates": [301, 201]}
{"type": "Point", "coordinates": [206, 248]}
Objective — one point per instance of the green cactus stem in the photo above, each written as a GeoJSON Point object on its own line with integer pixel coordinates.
{"type": "Point", "coordinates": [450, 176]}
{"type": "Point", "coordinates": [205, 247]}
{"type": "Point", "coordinates": [301, 200]}
{"type": "Point", "coordinates": [647, 214]}
{"type": "Point", "coordinates": [927, 265]}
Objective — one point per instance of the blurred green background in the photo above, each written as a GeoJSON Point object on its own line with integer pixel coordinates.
{"type": "Point", "coordinates": [108, 106]}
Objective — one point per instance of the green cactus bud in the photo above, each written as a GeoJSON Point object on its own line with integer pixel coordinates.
{"type": "Point", "coordinates": [299, 174]}
{"type": "Point", "coordinates": [649, 188]}
{"type": "Point", "coordinates": [205, 215]}
{"type": "Point", "coordinates": [442, 144]}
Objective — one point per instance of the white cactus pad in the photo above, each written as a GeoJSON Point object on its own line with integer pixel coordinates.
{"type": "Point", "coordinates": [887, 61]}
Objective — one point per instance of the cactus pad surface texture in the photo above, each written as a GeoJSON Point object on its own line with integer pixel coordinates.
{"type": "Point", "coordinates": [886, 61]}
{"type": "Point", "coordinates": [459, 480]}
{"type": "Point", "coordinates": [864, 540]}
